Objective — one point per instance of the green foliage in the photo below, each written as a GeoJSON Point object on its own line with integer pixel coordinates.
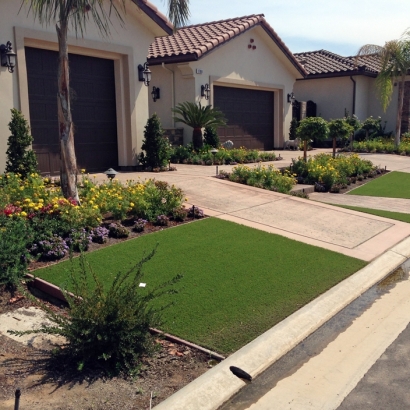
{"type": "Point", "coordinates": [211, 137]}
{"type": "Point", "coordinates": [263, 177]}
{"type": "Point", "coordinates": [20, 159]}
{"type": "Point", "coordinates": [198, 117]}
{"type": "Point", "coordinates": [294, 124]}
{"type": "Point", "coordinates": [107, 328]}
{"type": "Point", "coordinates": [14, 256]}
{"type": "Point", "coordinates": [155, 145]}
{"type": "Point", "coordinates": [340, 128]}
{"type": "Point", "coordinates": [312, 128]}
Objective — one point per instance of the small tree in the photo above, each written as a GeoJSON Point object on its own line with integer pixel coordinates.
{"type": "Point", "coordinates": [155, 145]}
{"type": "Point", "coordinates": [294, 124]}
{"type": "Point", "coordinates": [211, 137]}
{"type": "Point", "coordinates": [341, 129]}
{"type": "Point", "coordinates": [312, 128]}
{"type": "Point", "coordinates": [198, 117]}
{"type": "Point", "coordinates": [20, 159]}
{"type": "Point", "coordinates": [353, 121]}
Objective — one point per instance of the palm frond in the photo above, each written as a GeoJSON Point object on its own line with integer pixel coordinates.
{"type": "Point", "coordinates": [197, 116]}
{"type": "Point", "coordinates": [178, 12]}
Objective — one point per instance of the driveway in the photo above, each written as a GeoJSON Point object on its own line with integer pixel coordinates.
{"type": "Point", "coordinates": [348, 232]}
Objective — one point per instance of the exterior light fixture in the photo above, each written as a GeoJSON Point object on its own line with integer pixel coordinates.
{"type": "Point", "coordinates": [291, 98]}
{"type": "Point", "coordinates": [213, 152]}
{"type": "Point", "coordinates": [111, 173]}
{"type": "Point", "coordinates": [144, 74]}
{"type": "Point", "coordinates": [155, 93]}
{"type": "Point", "coordinates": [205, 91]}
{"type": "Point", "coordinates": [8, 56]}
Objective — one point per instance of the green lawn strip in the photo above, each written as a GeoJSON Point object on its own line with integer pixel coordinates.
{"type": "Point", "coordinates": [386, 214]}
{"type": "Point", "coordinates": [238, 281]}
{"type": "Point", "coordinates": [392, 185]}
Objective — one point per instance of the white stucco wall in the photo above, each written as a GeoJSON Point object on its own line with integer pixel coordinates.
{"type": "Point", "coordinates": [127, 45]}
{"type": "Point", "coordinates": [333, 95]}
{"type": "Point", "coordinates": [234, 64]}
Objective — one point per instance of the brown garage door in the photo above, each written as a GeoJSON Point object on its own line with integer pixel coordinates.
{"type": "Point", "coordinates": [249, 114]}
{"type": "Point", "coordinates": [93, 108]}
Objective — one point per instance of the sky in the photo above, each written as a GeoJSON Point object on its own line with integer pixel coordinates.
{"type": "Point", "coordinates": [339, 26]}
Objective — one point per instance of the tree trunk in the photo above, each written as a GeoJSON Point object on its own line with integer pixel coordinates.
{"type": "Point", "coordinates": [197, 138]}
{"type": "Point", "coordinates": [68, 162]}
{"type": "Point", "coordinates": [334, 147]}
{"type": "Point", "coordinates": [305, 150]}
{"type": "Point", "coordinates": [399, 111]}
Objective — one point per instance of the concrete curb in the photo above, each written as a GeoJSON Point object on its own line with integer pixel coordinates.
{"type": "Point", "coordinates": [215, 387]}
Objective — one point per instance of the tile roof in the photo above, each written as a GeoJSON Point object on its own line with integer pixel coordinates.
{"type": "Point", "coordinates": [323, 63]}
{"type": "Point", "coordinates": [151, 11]}
{"type": "Point", "coordinates": [192, 42]}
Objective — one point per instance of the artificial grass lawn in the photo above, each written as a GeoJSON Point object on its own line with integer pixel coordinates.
{"type": "Point", "coordinates": [238, 281]}
{"type": "Point", "coordinates": [398, 216]}
{"type": "Point", "coordinates": [392, 185]}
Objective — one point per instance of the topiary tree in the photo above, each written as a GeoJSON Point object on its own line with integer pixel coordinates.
{"type": "Point", "coordinates": [198, 117]}
{"type": "Point", "coordinates": [20, 159]}
{"type": "Point", "coordinates": [211, 137]}
{"type": "Point", "coordinates": [341, 129]}
{"type": "Point", "coordinates": [353, 121]}
{"type": "Point", "coordinates": [294, 124]}
{"type": "Point", "coordinates": [155, 145]}
{"type": "Point", "coordinates": [312, 127]}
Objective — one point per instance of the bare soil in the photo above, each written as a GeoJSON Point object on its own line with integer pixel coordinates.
{"type": "Point", "coordinates": [46, 384]}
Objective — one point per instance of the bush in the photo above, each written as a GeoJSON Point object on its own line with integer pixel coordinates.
{"type": "Point", "coordinates": [14, 256]}
{"type": "Point", "coordinates": [117, 230]}
{"type": "Point", "coordinates": [79, 240]}
{"type": "Point", "coordinates": [155, 145]}
{"type": "Point", "coordinates": [50, 249]}
{"type": "Point", "coordinates": [107, 328]}
{"type": "Point", "coordinates": [211, 137]}
{"type": "Point", "coordinates": [99, 234]}
{"type": "Point", "coordinates": [139, 225]}
{"type": "Point", "coordinates": [20, 159]}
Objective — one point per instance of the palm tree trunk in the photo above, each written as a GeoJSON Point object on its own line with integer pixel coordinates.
{"type": "Point", "coordinates": [197, 138]}
{"type": "Point", "coordinates": [68, 162]}
{"type": "Point", "coordinates": [399, 111]}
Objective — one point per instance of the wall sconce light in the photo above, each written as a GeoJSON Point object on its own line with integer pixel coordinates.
{"type": "Point", "coordinates": [205, 91]}
{"type": "Point", "coordinates": [155, 93]}
{"type": "Point", "coordinates": [144, 74]}
{"type": "Point", "coordinates": [8, 56]}
{"type": "Point", "coordinates": [291, 98]}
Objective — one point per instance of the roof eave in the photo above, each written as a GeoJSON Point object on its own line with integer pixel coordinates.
{"type": "Point", "coordinates": [180, 58]}
{"type": "Point", "coordinates": [339, 74]}
{"type": "Point", "coordinates": [152, 12]}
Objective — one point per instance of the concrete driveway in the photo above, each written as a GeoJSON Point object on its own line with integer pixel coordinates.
{"type": "Point", "coordinates": [348, 232]}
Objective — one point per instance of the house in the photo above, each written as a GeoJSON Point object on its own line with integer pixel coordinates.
{"type": "Point", "coordinates": [337, 84]}
{"type": "Point", "coordinates": [109, 103]}
{"type": "Point", "coordinates": [238, 65]}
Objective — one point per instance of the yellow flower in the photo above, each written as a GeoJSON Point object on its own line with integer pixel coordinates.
{"type": "Point", "coordinates": [23, 213]}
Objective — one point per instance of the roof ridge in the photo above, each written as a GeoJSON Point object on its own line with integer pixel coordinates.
{"type": "Point", "coordinates": [221, 21]}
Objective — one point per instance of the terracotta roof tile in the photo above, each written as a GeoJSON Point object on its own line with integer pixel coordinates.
{"type": "Point", "coordinates": [323, 63]}
{"type": "Point", "coordinates": [192, 42]}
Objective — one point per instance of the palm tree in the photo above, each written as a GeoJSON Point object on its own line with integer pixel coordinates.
{"type": "Point", "coordinates": [77, 13]}
{"type": "Point", "coordinates": [394, 59]}
{"type": "Point", "coordinates": [198, 117]}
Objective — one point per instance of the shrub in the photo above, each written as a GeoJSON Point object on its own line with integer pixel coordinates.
{"type": "Point", "coordinates": [20, 159]}
{"type": "Point", "coordinates": [211, 137]}
{"type": "Point", "coordinates": [99, 234]}
{"type": "Point", "coordinates": [179, 214]}
{"type": "Point", "coordinates": [117, 230]}
{"type": "Point", "coordinates": [50, 249]}
{"type": "Point", "coordinates": [162, 220]}
{"type": "Point", "coordinates": [314, 128]}
{"type": "Point", "coordinates": [107, 328]}
{"type": "Point", "coordinates": [155, 145]}
{"type": "Point", "coordinates": [195, 212]}
{"type": "Point", "coordinates": [139, 225]}
{"type": "Point", "coordinates": [79, 240]}
{"type": "Point", "coordinates": [14, 256]}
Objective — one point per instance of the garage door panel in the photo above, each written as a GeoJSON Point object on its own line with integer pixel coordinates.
{"type": "Point", "coordinates": [93, 110]}
{"type": "Point", "coordinates": [249, 116]}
